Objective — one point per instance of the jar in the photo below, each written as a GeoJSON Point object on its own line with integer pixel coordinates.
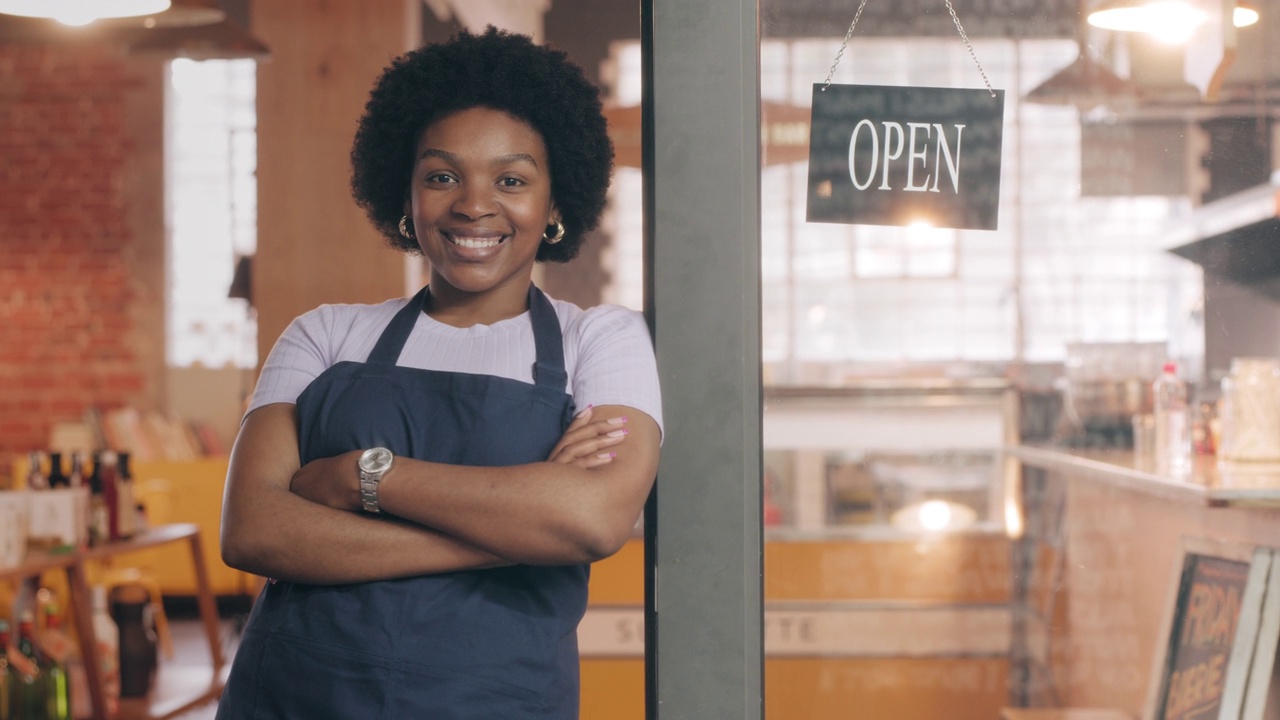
{"type": "Point", "coordinates": [1251, 411]}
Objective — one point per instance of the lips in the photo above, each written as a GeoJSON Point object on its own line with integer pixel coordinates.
{"type": "Point", "coordinates": [476, 241]}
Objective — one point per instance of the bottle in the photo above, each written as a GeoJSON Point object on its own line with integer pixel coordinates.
{"type": "Point", "coordinates": [76, 478]}
{"type": "Point", "coordinates": [126, 505]}
{"type": "Point", "coordinates": [57, 479]}
{"type": "Point", "coordinates": [1250, 417]}
{"type": "Point", "coordinates": [130, 606]}
{"type": "Point", "coordinates": [99, 529]}
{"type": "Point", "coordinates": [106, 638]}
{"type": "Point", "coordinates": [31, 699]}
{"type": "Point", "coordinates": [36, 479]}
{"type": "Point", "coordinates": [1173, 422]}
{"type": "Point", "coordinates": [59, 651]}
{"type": "Point", "coordinates": [110, 474]}
{"type": "Point", "coordinates": [8, 675]}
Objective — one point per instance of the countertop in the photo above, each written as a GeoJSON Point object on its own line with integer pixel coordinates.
{"type": "Point", "coordinates": [1210, 482]}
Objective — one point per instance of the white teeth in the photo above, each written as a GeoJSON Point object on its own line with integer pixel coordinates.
{"type": "Point", "coordinates": [477, 242]}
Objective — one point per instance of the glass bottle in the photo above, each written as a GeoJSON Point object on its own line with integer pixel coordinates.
{"type": "Point", "coordinates": [106, 638]}
{"type": "Point", "coordinates": [1173, 422]}
{"type": "Point", "coordinates": [57, 649]}
{"type": "Point", "coordinates": [99, 531]}
{"type": "Point", "coordinates": [126, 505]}
{"type": "Point", "coordinates": [110, 474]}
{"type": "Point", "coordinates": [36, 479]}
{"type": "Point", "coordinates": [76, 477]}
{"type": "Point", "coordinates": [8, 674]}
{"type": "Point", "coordinates": [31, 698]}
{"type": "Point", "coordinates": [1250, 419]}
{"type": "Point", "coordinates": [57, 479]}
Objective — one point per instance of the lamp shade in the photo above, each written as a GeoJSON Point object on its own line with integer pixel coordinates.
{"type": "Point", "coordinates": [226, 40]}
{"type": "Point", "coordinates": [1085, 84]}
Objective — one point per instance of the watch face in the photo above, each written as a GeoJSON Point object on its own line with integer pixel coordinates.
{"type": "Point", "coordinates": [375, 460]}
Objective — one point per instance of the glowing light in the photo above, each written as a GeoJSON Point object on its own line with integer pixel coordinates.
{"type": "Point", "coordinates": [1170, 21]}
{"type": "Point", "coordinates": [82, 12]}
{"type": "Point", "coordinates": [1244, 16]}
{"type": "Point", "coordinates": [934, 516]}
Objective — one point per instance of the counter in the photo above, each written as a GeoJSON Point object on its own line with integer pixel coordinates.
{"type": "Point", "coordinates": [1099, 560]}
{"type": "Point", "coordinates": [1209, 482]}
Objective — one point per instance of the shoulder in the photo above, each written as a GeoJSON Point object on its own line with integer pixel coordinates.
{"type": "Point", "coordinates": [579, 324]}
{"type": "Point", "coordinates": [338, 321]}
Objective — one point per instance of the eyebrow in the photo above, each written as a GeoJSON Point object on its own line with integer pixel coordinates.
{"type": "Point", "coordinates": [500, 160]}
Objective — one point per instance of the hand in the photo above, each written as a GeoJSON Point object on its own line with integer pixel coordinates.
{"type": "Point", "coordinates": [586, 441]}
{"type": "Point", "coordinates": [332, 481]}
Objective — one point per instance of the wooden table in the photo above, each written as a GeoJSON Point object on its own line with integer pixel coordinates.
{"type": "Point", "coordinates": [162, 705]}
{"type": "Point", "coordinates": [1062, 714]}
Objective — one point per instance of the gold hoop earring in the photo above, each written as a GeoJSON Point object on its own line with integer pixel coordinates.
{"type": "Point", "coordinates": [404, 228]}
{"type": "Point", "coordinates": [557, 237]}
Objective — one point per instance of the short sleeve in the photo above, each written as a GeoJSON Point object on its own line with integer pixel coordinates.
{"type": "Point", "coordinates": [615, 361]}
{"type": "Point", "coordinates": [302, 352]}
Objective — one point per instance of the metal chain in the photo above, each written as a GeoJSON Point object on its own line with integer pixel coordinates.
{"type": "Point", "coordinates": [955, 18]}
{"type": "Point", "coordinates": [844, 44]}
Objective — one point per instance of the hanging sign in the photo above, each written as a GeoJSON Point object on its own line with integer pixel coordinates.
{"type": "Point", "coordinates": [881, 155]}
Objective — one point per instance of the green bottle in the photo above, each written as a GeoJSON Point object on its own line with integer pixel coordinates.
{"type": "Point", "coordinates": [30, 699]}
{"type": "Point", "coordinates": [8, 676]}
{"type": "Point", "coordinates": [57, 682]}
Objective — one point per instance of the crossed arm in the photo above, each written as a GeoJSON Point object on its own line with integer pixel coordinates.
{"type": "Point", "coordinates": [290, 522]}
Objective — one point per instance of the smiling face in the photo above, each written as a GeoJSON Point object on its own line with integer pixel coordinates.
{"type": "Point", "coordinates": [480, 199]}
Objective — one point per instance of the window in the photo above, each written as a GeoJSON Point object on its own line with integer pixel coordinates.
{"type": "Point", "coordinates": [1062, 267]}
{"type": "Point", "coordinates": [211, 210]}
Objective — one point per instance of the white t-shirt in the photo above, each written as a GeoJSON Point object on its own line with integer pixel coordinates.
{"type": "Point", "coordinates": [608, 354]}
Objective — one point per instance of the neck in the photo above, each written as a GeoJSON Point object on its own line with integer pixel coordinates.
{"type": "Point", "coordinates": [462, 309]}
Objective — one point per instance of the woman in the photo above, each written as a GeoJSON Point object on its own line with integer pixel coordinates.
{"type": "Point", "coordinates": [427, 481]}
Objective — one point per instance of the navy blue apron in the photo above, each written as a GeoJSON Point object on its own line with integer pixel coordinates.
{"type": "Point", "coordinates": [498, 643]}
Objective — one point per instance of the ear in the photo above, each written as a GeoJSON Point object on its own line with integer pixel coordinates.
{"type": "Point", "coordinates": [553, 216]}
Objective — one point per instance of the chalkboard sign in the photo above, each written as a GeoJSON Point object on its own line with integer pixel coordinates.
{"type": "Point", "coordinates": [885, 155]}
{"type": "Point", "coordinates": [1211, 624]}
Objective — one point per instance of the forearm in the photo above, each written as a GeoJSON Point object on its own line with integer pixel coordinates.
{"type": "Point", "coordinates": [269, 531]}
{"type": "Point", "coordinates": [541, 513]}
{"type": "Point", "coordinates": [538, 513]}
{"type": "Point", "coordinates": [289, 538]}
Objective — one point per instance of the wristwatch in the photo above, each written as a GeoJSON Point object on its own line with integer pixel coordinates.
{"type": "Point", "coordinates": [373, 464]}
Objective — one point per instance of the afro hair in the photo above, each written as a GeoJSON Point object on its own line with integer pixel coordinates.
{"type": "Point", "coordinates": [498, 70]}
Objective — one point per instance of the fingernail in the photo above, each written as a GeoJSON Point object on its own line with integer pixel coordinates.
{"type": "Point", "coordinates": [607, 456]}
{"type": "Point", "coordinates": [584, 411]}
{"type": "Point", "coordinates": [618, 420]}
{"type": "Point", "coordinates": [617, 433]}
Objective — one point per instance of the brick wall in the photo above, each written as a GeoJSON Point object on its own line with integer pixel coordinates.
{"type": "Point", "coordinates": [77, 314]}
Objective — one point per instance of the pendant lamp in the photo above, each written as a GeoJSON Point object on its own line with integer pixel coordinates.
{"type": "Point", "coordinates": [113, 13]}
{"type": "Point", "coordinates": [1169, 20]}
{"type": "Point", "coordinates": [82, 12]}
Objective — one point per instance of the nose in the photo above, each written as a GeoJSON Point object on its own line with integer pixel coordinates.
{"type": "Point", "coordinates": [474, 201]}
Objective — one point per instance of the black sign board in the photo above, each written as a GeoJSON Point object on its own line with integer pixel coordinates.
{"type": "Point", "coordinates": [1216, 591]}
{"type": "Point", "coordinates": [881, 155]}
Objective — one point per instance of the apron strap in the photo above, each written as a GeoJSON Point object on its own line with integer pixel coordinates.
{"type": "Point", "coordinates": [392, 340]}
{"type": "Point", "coordinates": [549, 369]}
